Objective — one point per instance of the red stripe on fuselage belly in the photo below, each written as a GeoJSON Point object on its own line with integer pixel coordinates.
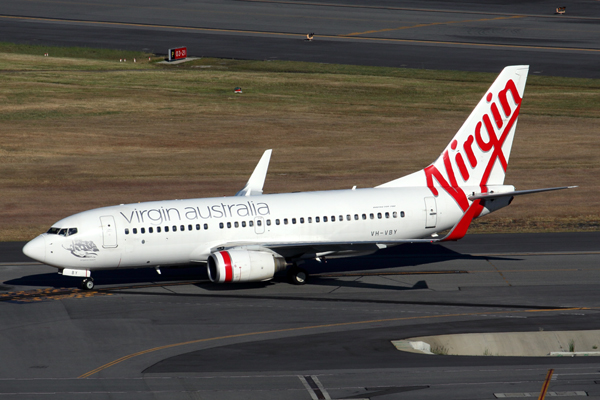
{"type": "Point", "coordinates": [228, 269]}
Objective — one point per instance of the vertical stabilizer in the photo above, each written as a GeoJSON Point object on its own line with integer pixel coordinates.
{"type": "Point", "coordinates": [478, 154]}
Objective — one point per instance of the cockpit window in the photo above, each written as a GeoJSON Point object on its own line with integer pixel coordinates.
{"type": "Point", "coordinates": [62, 231]}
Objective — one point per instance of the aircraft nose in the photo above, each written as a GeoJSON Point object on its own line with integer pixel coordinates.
{"type": "Point", "coordinates": [36, 249]}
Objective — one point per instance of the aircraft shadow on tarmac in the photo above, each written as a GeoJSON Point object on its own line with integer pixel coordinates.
{"type": "Point", "coordinates": [115, 277]}
{"type": "Point", "coordinates": [400, 257]}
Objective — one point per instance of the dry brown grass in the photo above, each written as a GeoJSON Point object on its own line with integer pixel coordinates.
{"type": "Point", "coordinates": [78, 137]}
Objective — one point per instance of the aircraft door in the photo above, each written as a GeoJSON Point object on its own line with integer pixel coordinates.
{"type": "Point", "coordinates": [430, 212]}
{"type": "Point", "coordinates": [259, 225]}
{"type": "Point", "coordinates": [109, 231]}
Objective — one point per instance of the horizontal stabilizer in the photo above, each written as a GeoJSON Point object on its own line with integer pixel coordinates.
{"type": "Point", "coordinates": [255, 184]}
{"type": "Point", "coordinates": [491, 195]}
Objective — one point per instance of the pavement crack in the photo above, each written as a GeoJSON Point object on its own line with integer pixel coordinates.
{"type": "Point", "coordinates": [499, 272]}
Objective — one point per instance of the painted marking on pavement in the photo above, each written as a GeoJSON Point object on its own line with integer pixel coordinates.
{"type": "Point", "coordinates": [314, 387]}
{"type": "Point", "coordinates": [535, 395]}
{"type": "Point", "coordinates": [431, 24]}
{"type": "Point", "coordinates": [314, 327]}
{"type": "Point", "coordinates": [298, 35]}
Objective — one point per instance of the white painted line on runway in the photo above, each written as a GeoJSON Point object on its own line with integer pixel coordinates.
{"type": "Point", "coordinates": [314, 387]}
{"type": "Point", "coordinates": [535, 395]}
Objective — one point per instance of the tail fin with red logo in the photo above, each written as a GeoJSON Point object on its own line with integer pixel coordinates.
{"type": "Point", "coordinates": [477, 156]}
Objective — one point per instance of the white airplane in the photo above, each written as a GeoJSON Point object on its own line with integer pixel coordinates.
{"type": "Point", "coordinates": [251, 236]}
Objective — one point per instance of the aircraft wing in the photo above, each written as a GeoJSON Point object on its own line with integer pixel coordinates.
{"type": "Point", "coordinates": [299, 250]}
{"type": "Point", "coordinates": [255, 184]}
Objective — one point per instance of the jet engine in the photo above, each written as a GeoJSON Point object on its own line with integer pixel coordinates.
{"type": "Point", "coordinates": [243, 266]}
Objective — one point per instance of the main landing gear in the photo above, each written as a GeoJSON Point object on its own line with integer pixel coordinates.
{"type": "Point", "coordinates": [297, 275]}
{"type": "Point", "coordinates": [87, 284]}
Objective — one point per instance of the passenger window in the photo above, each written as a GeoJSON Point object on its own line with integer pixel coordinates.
{"type": "Point", "coordinates": [197, 227]}
{"type": "Point", "coordinates": [142, 230]}
{"type": "Point", "coordinates": [243, 224]}
{"type": "Point", "coordinates": [259, 222]}
{"type": "Point", "coordinates": [285, 221]}
{"type": "Point", "coordinates": [293, 220]}
{"type": "Point", "coordinates": [301, 220]}
{"type": "Point", "coordinates": [309, 220]}
{"type": "Point", "coordinates": [174, 228]}
{"type": "Point", "coordinates": [150, 230]}
{"type": "Point", "coordinates": [364, 216]}
{"type": "Point", "coordinates": [356, 217]}
{"type": "Point", "coordinates": [402, 214]}
{"type": "Point", "coordinates": [190, 228]}
{"type": "Point", "coordinates": [317, 219]}
{"type": "Point", "coordinates": [371, 216]}
{"type": "Point", "coordinates": [236, 224]}
{"type": "Point", "coordinates": [158, 229]}
{"type": "Point", "coordinates": [229, 224]}
{"type": "Point", "coordinates": [127, 231]}
{"type": "Point", "coordinates": [166, 229]}
{"type": "Point", "coordinates": [205, 226]}
{"type": "Point", "coordinates": [387, 214]}
{"type": "Point", "coordinates": [379, 215]}
{"type": "Point", "coordinates": [135, 231]}
{"type": "Point", "coordinates": [268, 222]}
{"type": "Point", "coordinates": [333, 218]}
{"type": "Point", "coordinates": [182, 228]}
{"type": "Point", "coordinates": [395, 214]}
{"type": "Point", "coordinates": [324, 219]}
{"type": "Point", "coordinates": [250, 223]}
{"type": "Point", "coordinates": [221, 225]}
{"type": "Point", "coordinates": [341, 218]}
{"type": "Point", "coordinates": [277, 221]}
{"type": "Point", "coordinates": [72, 231]}
{"type": "Point", "coordinates": [348, 217]}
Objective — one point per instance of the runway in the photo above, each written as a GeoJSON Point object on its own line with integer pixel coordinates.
{"type": "Point", "coordinates": [482, 36]}
{"type": "Point", "coordinates": [180, 336]}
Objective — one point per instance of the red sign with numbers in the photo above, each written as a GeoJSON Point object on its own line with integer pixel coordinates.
{"type": "Point", "coordinates": [178, 53]}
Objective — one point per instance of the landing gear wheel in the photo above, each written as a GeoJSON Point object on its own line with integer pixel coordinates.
{"type": "Point", "coordinates": [87, 284]}
{"type": "Point", "coordinates": [297, 276]}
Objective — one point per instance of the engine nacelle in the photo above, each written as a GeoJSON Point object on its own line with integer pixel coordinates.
{"type": "Point", "coordinates": [243, 266]}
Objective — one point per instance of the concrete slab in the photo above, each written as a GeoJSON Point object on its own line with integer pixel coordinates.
{"type": "Point", "coordinates": [515, 344]}
{"type": "Point", "coordinates": [179, 61]}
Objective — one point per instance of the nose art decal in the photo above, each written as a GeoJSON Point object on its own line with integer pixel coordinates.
{"type": "Point", "coordinates": [83, 249]}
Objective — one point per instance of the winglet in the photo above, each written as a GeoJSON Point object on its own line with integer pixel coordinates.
{"type": "Point", "coordinates": [461, 228]}
{"type": "Point", "coordinates": [254, 186]}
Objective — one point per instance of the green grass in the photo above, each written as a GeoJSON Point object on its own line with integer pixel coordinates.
{"type": "Point", "coordinates": [440, 350]}
{"type": "Point", "coordinates": [72, 52]}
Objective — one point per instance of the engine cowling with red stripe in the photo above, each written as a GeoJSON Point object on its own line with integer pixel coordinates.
{"type": "Point", "coordinates": [243, 266]}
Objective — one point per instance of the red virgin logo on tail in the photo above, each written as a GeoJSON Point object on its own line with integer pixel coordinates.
{"type": "Point", "coordinates": [497, 133]}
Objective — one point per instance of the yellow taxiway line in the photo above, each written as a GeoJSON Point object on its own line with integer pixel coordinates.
{"type": "Point", "coordinates": [338, 37]}
{"type": "Point", "coordinates": [304, 328]}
